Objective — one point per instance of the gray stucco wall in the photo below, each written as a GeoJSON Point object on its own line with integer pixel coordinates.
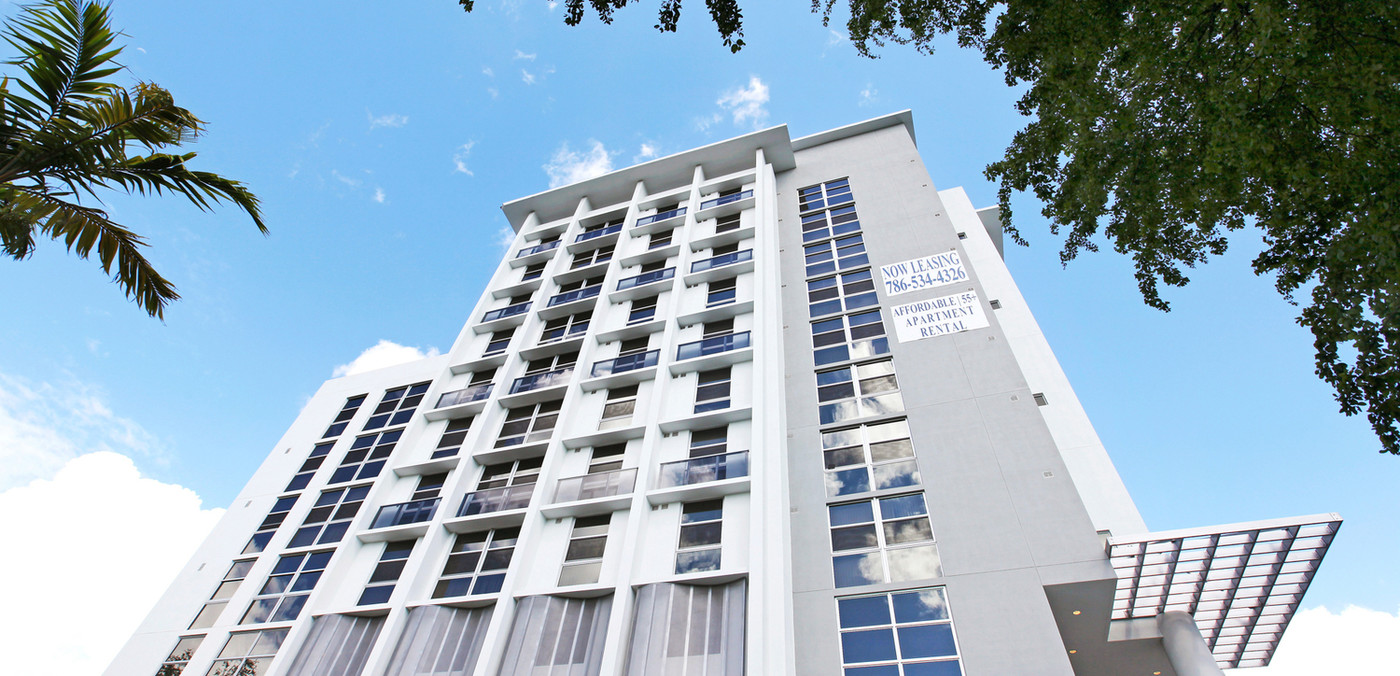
{"type": "Point", "coordinates": [999, 497]}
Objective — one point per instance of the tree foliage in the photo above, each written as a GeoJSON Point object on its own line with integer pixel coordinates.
{"type": "Point", "coordinates": [66, 130]}
{"type": "Point", "coordinates": [726, 14]}
{"type": "Point", "coordinates": [1167, 127]}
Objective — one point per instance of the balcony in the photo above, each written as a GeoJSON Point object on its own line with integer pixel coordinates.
{"type": "Point", "coordinates": [723, 265]}
{"type": "Point", "coordinates": [493, 508]}
{"type": "Point", "coordinates": [507, 311]}
{"type": "Point", "coordinates": [722, 260]}
{"type": "Point", "coordinates": [538, 248]}
{"type": "Point", "coordinates": [727, 199]}
{"type": "Point", "coordinates": [590, 235]}
{"type": "Point", "coordinates": [569, 302]}
{"type": "Point", "coordinates": [402, 521]}
{"type": "Point", "coordinates": [461, 403]}
{"type": "Point", "coordinates": [625, 370]}
{"type": "Point", "coordinates": [712, 352]}
{"type": "Point", "coordinates": [636, 287]}
{"type": "Point", "coordinates": [592, 494]}
{"type": "Point", "coordinates": [702, 478]}
{"type": "Point", "coordinates": [536, 387]}
{"type": "Point", "coordinates": [659, 217]}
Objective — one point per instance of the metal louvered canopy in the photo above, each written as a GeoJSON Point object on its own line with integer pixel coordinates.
{"type": "Point", "coordinates": [1241, 582]}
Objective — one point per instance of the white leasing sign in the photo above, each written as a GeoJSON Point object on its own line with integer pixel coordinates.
{"type": "Point", "coordinates": [940, 316]}
{"type": "Point", "coordinates": [923, 273]}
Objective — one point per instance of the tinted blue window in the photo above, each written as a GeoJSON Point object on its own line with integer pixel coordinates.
{"type": "Point", "coordinates": [929, 640]}
{"type": "Point", "coordinates": [868, 646]}
{"type": "Point", "coordinates": [863, 612]}
{"type": "Point", "coordinates": [904, 505]}
{"type": "Point", "coordinates": [920, 606]}
{"type": "Point", "coordinates": [949, 668]}
{"type": "Point", "coordinates": [857, 512]}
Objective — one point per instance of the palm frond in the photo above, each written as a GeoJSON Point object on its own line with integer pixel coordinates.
{"type": "Point", "coordinates": [66, 50]}
{"type": "Point", "coordinates": [85, 229]}
{"type": "Point", "coordinates": [162, 173]}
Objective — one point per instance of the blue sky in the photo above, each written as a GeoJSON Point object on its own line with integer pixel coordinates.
{"type": "Point", "coordinates": [382, 138]}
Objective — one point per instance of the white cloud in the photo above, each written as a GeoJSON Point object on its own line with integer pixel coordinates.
{"type": "Point", "coordinates": [834, 38]}
{"type": "Point", "coordinates": [378, 194]}
{"type": "Point", "coordinates": [504, 238]}
{"type": "Point", "coordinates": [1355, 642]}
{"type": "Point", "coordinates": [495, 93]}
{"type": "Point", "coordinates": [746, 104]}
{"type": "Point", "coordinates": [704, 123]}
{"type": "Point", "coordinates": [527, 77]}
{"type": "Point", "coordinates": [97, 537]}
{"type": "Point", "coordinates": [352, 182]}
{"type": "Point", "coordinates": [384, 353]}
{"type": "Point", "coordinates": [390, 120]}
{"type": "Point", "coordinates": [570, 166]}
{"type": "Point", "coordinates": [486, 70]}
{"type": "Point", "coordinates": [44, 426]}
{"type": "Point", "coordinates": [519, 56]}
{"type": "Point", "coordinates": [868, 95]}
{"type": "Point", "coordinates": [459, 158]}
{"type": "Point", "coordinates": [646, 152]}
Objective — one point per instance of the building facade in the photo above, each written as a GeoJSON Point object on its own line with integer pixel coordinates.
{"type": "Point", "coordinates": [769, 406]}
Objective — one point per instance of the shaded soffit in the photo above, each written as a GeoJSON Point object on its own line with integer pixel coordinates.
{"type": "Point", "coordinates": [1241, 582]}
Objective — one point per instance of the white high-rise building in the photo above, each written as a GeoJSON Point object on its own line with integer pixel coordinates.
{"type": "Point", "coordinates": [768, 406]}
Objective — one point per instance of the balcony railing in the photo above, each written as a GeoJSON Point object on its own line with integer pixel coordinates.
{"type": "Point", "coordinates": [507, 311]}
{"type": "Point", "coordinates": [713, 345]}
{"type": "Point", "coordinates": [500, 499]}
{"type": "Point", "coordinates": [594, 234]}
{"type": "Point", "coordinates": [563, 333]}
{"type": "Point", "coordinates": [600, 485]}
{"type": "Point", "coordinates": [542, 246]}
{"type": "Point", "coordinates": [630, 362]}
{"type": "Point", "coordinates": [404, 513]}
{"type": "Point", "coordinates": [465, 395]}
{"type": "Point", "coordinates": [645, 278]}
{"type": "Point", "coordinates": [540, 381]}
{"type": "Point", "coordinates": [576, 294]}
{"type": "Point", "coordinates": [701, 470]}
{"type": "Point", "coordinates": [660, 216]}
{"type": "Point", "coordinates": [719, 201]}
{"type": "Point", "coordinates": [722, 260]}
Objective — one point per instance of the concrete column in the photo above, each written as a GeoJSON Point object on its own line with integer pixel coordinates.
{"type": "Point", "coordinates": [1186, 648]}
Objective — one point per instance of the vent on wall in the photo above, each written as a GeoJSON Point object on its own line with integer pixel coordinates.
{"type": "Point", "coordinates": [962, 235]}
{"type": "Point", "coordinates": [996, 304]}
{"type": "Point", "coordinates": [1040, 399]}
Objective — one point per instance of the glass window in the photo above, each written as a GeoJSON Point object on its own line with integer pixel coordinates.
{"type": "Point", "coordinates": [521, 472]}
{"type": "Point", "coordinates": [699, 546]}
{"type": "Point", "coordinates": [869, 457]}
{"type": "Point", "coordinates": [397, 407]}
{"type": "Point", "coordinates": [905, 630]}
{"type": "Point", "coordinates": [660, 239]}
{"type": "Point", "coordinates": [386, 572]}
{"type": "Point", "coordinates": [712, 392]}
{"type": "Point", "coordinates": [232, 579]}
{"type": "Point", "coordinates": [330, 518]}
{"type": "Point", "coordinates": [499, 341]}
{"type": "Point", "coordinates": [882, 540]}
{"type": "Point", "coordinates": [853, 336]}
{"type": "Point", "coordinates": [707, 442]}
{"type": "Point", "coordinates": [275, 517]}
{"type": "Point", "coordinates": [843, 293]}
{"type": "Point", "coordinates": [721, 292]}
{"type": "Point", "coordinates": [826, 194]}
{"type": "Point", "coordinates": [844, 253]}
{"type": "Point", "coordinates": [179, 656]}
{"type": "Point", "coordinates": [533, 271]}
{"type": "Point", "coordinates": [287, 588]}
{"type": "Point", "coordinates": [858, 391]}
{"type": "Point", "coordinates": [529, 424]}
{"type": "Point", "coordinates": [348, 411]}
{"type": "Point", "coordinates": [565, 327]}
{"type": "Point", "coordinates": [477, 563]}
{"type": "Point", "coordinates": [366, 457]}
{"type": "Point", "coordinates": [583, 561]}
{"type": "Point", "coordinates": [584, 259]}
{"type": "Point", "coordinates": [248, 653]}
{"type": "Point", "coordinates": [308, 469]}
{"type": "Point", "coordinates": [617, 411]}
{"type": "Point", "coordinates": [643, 309]}
{"type": "Point", "coordinates": [453, 436]}
{"type": "Point", "coordinates": [825, 224]}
